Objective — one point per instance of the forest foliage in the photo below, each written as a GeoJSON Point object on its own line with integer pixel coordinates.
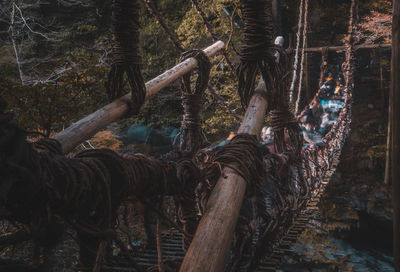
{"type": "Point", "coordinates": [56, 55]}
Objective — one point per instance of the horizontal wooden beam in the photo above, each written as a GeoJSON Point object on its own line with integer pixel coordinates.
{"type": "Point", "coordinates": [91, 124]}
{"type": "Point", "coordinates": [213, 238]}
{"type": "Point", "coordinates": [342, 48]}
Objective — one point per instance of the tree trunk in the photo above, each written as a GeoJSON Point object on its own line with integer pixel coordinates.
{"type": "Point", "coordinates": [395, 127]}
{"type": "Point", "coordinates": [387, 179]}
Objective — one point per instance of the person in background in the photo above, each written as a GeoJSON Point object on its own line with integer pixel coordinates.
{"type": "Point", "coordinates": [227, 140]}
{"type": "Point", "coordinates": [327, 88]}
{"type": "Point", "coordinates": [307, 129]}
{"type": "Point", "coordinates": [326, 123]}
{"type": "Point", "coordinates": [317, 112]}
{"type": "Point", "coordinates": [267, 135]}
{"type": "Point", "coordinates": [338, 93]}
{"type": "Point", "coordinates": [279, 41]}
{"type": "Point", "coordinates": [306, 115]}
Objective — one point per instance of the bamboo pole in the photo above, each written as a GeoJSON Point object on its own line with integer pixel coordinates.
{"type": "Point", "coordinates": [213, 238]}
{"type": "Point", "coordinates": [88, 126]}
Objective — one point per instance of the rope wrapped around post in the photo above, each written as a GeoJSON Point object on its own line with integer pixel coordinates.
{"type": "Point", "coordinates": [280, 121]}
{"type": "Point", "coordinates": [126, 57]}
{"type": "Point", "coordinates": [40, 186]}
{"type": "Point", "coordinates": [256, 53]}
{"type": "Point", "coordinates": [192, 137]}
{"type": "Point", "coordinates": [243, 157]}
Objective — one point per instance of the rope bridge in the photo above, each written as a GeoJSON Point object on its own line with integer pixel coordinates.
{"type": "Point", "coordinates": [238, 208]}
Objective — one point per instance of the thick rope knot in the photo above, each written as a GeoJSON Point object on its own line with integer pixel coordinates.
{"type": "Point", "coordinates": [126, 57]}
{"type": "Point", "coordinates": [244, 157]}
{"type": "Point", "coordinates": [282, 122]}
{"type": "Point", "coordinates": [256, 52]}
{"type": "Point", "coordinates": [278, 80]}
{"type": "Point", "coordinates": [192, 136]}
{"type": "Point", "coordinates": [281, 119]}
{"type": "Point", "coordinates": [192, 108]}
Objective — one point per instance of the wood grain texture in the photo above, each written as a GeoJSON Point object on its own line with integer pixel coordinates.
{"type": "Point", "coordinates": [213, 239]}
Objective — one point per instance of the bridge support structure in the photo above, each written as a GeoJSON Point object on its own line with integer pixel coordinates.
{"type": "Point", "coordinates": [213, 239]}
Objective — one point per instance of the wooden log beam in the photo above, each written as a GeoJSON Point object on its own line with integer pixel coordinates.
{"type": "Point", "coordinates": [213, 238]}
{"type": "Point", "coordinates": [343, 48]}
{"type": "Point", "coordinates": [91, 124]}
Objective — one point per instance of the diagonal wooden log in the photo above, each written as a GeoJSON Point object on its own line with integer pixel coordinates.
{"type": "Point", "coordinates": [213, 238]}
{"type": "Point", "coordinates": [88, 126]}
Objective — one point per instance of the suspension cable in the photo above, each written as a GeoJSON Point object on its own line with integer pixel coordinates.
{"type": "Point", "coordinates": [296, 58]}
{"type": "Point", "coordinates": [302, 56]}
{"type": "Point", "coordinates": [126, 57]}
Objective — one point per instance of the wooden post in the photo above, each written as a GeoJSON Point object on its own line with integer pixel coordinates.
{"type": "Point", "coordinates": [213, 238]}
{"type": "Point", "coordinates": [395, 127]}
{"type": "Point", "coordinates": [88, 126]}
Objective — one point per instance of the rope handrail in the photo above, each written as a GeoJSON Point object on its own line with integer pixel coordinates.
{"type": "Point", "coordinates": [305, 29]}
{"type": "Point", "coordinates": [296, 56]}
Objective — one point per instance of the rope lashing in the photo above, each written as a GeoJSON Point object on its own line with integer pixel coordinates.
{"type": "Point", "coordinates": [243, 156]}
{"type": "Point", "coordinates": [280, 121]}
{"type": "Point", "coordinates": [189, 177]}
{"type": "Point", "coordinates": [126, 57]}
{"type": "Point", "coordinates": [192, 136]}
{"type": "Point", "coordinates": [192, 139]}
{"type": "Point", "coordinates": [39, 183]}
{"type": "Point", "coordinates": [256, 53]}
